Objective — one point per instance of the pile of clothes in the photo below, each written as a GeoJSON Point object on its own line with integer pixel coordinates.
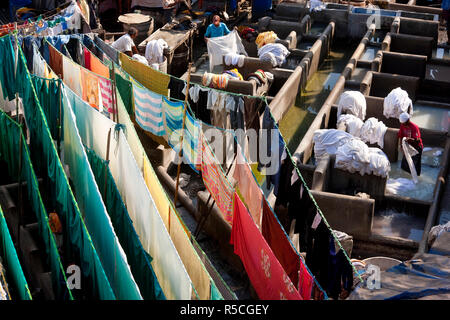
{"type": "Point", "coordinates": [154, 51]}
{"type": "Point", "coordinates": [352, 102]}
{"type": "Point", "coordinates": [397, 102]}
{"type": "Point", "coordinates": [276, 53]}
{"type": "Point", "coordinates": [265, 38]}
{"type": "Point", "coordinates": [248, 33]}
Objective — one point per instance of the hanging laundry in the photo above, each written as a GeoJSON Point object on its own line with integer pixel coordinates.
{"type": "Point", "coordinates": [106, 48]}
{"type": "Point", "coordinates": [90, 88]}
{"type": "Point", "coordinates": [215, 181]}
{"type": "Point", "coordinates": [106, 94]}
{"type": "Point", "coordinates": [152, 79]}
{"type": "Point", "coordinates": [248, 187]}
{"type": "Point", "coordinates": [56, 60]}
{"type": "Point", "coordinates": [87, 58]}
{"type": "Point", "coordinates": [264, 270]}
{"type": "Point", "coordinates": [72, 75]}
{"type": "Point", "coordinates": [148, 110]}
{"type": "Point", "coordinates": [220, 46]}
{"type": "Point", "coordinates": [277, 239]}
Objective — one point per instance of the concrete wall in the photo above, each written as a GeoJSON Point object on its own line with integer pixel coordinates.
{"type": "Point", "coordinates": [381, 84]}
{"type": "Point", "coordinates": [352, 215]}
{"type": "Point", "coordinates": [412, 44]}
{"type": "Point", "coordinates": [403, 64]}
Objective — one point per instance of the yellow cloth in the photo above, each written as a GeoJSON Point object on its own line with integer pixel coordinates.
{"type": "Point", "coordinates": [150, 78]}
{"type": "Point", "coordinates": [265, 38]}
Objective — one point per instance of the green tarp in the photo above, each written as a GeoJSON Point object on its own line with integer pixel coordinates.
{"type": "Point", "coordinates": [12, 139]}
{"type": "Point", "coordinates": [45, 157]}
{"type": "Point", "coordinates": [138, 258]}
{"type": "Point", "coordinates": [14, 273]}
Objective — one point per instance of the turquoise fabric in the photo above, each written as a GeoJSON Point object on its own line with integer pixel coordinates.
{"type": "Point", "coordinates": [14, 272]}
{"type": "Point", "coordinates": [45, 158]}
{"type": "Point", "coordinates": [140, 261]}
{"type": "Point", "coordinates": [10, 135]}
{"type": "Point", "coordinates": [93, 209]}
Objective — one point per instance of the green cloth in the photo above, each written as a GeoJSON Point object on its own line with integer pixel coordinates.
{"type": "Point", "coordinates": [126, 92]}
{"type": "Point", "coordinates": [49, 98]}
{"type": "Point", "coordinates": [7, 68]}
{"type": "Point", "coordinates": [10, 135]}
{"type": "Point", "coordinates": [138, 258]}
{"type": "Point", "coordinates": [14, 272]}
{"type": "Point", "coordinates": [45, 159]}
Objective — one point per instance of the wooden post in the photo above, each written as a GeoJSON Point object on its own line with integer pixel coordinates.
{"type": "Point", "coordinates": [114, 95]}
{"type": "Point", "coordinates": [180, 153]}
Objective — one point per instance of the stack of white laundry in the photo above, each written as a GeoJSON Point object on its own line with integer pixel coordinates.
{"type": "Point", "coordinates": [397, 102]}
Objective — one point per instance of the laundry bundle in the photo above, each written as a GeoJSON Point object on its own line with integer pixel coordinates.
{"type": "Point", "coordinates": [248, 33]}
{"type": "Point", "coordinates": [327, 141]}
{"type": "Point", "coordinates": [352, 123]}
{"type": "Point", "coordinates": [154, 51]}
{"type": "Point", "coordinates": [276, 53]}
{"type": "Point", "coordinates": [233, 59]}
{"type": "Point", "coordinates": [373, 131]}
{"type": "Point", "coordinates": [218, 81]}
{"type": "Point", "coordinates": [397, 102]}
{"type": "Point", "coordinates": [233, 73]}
{"type": "Point", "coordinates": [265, 38]}
{"type": "Point", "coordinates": [140, 58]}
{"type": "Point", "coordinates": [355, 156]}
{"type": "Point", "coordinates": [352, 102]}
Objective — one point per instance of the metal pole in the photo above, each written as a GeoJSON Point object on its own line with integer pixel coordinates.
{"type": "Point", "coordinates": [180, 153]}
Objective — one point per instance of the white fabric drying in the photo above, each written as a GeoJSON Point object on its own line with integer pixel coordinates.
{"type": "Point", "coordinates": [274, 52]}
{"type": "Point", "coordinates": [154, 51]}
{"type": "Point", "coordinates": [397, 102]}
{"type": "Point", "coordinates": [326, 141]}
{"type": "Point", "coordinates": [352, 123]}
{"type": "Point", "coordinates": [194, 91]}
{"type": "Point", "coordinates": [216, 100]}
{"type": "Point", "coordinates": [373, 131]}
{"type": "Point", "coordinates": [221, 46]}
{"type": "Point", "coordinates": [352, 102]}
{"type": "Point", "coordinates": [234, 59]}
{"type": "Point", "coordinates": [408, 153]}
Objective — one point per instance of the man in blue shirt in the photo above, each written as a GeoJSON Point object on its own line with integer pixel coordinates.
{"type": "Point", "coordinates": [446, 15]}
{"type": "Point", "coordinates": [217, 29]}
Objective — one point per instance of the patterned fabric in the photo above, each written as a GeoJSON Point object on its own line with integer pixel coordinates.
{"type": "Point", "coordinates": [148, 110]}
{"type": "Point", "coordinates": [173, 113]}
{"type": "Point", "coordinates": [90, 88]}
{"type": "Point", "coordinates": [106, 93]}
{"type": "Point", "coordinates": [150, 78]}
{"type": "Point", "coordinates": [215, 181]}
{"type": "Point", "coordinates": [248, 187]}
{"type": "Point", "coordinates": [264, 271]}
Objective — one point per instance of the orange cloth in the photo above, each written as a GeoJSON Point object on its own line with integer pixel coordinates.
{"type": "Point", "coordinates": [98, 67]}
{"type": "Point", "coordinates": [89, 83]}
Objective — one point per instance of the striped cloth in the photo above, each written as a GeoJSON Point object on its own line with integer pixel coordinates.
{"type": "Point", "coordinates": [148, 110]}
{"type": "Point", "coordinates": [106, 93]}
{"type": "Point", "coordinates": [173, 112]}
{"type": "Point", "coordinates": [215, 181]}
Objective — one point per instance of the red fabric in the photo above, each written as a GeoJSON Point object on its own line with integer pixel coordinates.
{"type": "Point", "coordinates": [410, 130]}
{"type": "Point", "coordinates": [264, 271]}
{"type": "Point", "coordinates": [87, 59]}
{"type": "Point", "coordinates": [279, 243]}
{"type": "Point", "coordinates": [306, 282]}
{"type": "Point", "coordinates": [56, 61]}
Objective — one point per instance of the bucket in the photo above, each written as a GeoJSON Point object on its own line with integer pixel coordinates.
{"type": "Point", "coordinates": [180, 61]}
{"type": "Point", "coordinates": [160, 66]}
{"type": "Point", "coordinates": [143, 23]}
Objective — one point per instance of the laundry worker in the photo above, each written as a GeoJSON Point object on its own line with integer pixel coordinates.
{"type": "Point", "coordinates": [126, 44]}
{"type": "Point", "coordinates": [411, 132]}
{"type": "Point", "coordinates": [216, 29]}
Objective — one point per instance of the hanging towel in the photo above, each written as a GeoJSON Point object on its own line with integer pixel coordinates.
{"type": "Point", "coordinates": [264, 270]}
{"type": "Point", "coordinates": [106, 93]}
{"type": "Point", "coordinates": [90, 88]}
{"type": "Point", "coordinates": [148, 110]}
{"type": "Point", "coordinates": [56, 60]}
{"type": "Point", "coordinates": [72, 75]}
{"type": "Point", "coordinates": [98, 67]}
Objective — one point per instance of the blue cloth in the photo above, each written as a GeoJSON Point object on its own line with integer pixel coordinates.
{"type": "Point", "coordinates": [212, 31]}
{"type": "Point", "coordinates": [445, 5]}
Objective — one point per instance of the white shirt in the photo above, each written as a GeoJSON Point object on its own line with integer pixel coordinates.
{"type": "Point", "coordinates": [124, 43]}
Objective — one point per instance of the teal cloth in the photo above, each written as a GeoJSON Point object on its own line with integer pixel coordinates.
{"type": "Point", "coordinates": [139, 259]}
{"type": "Point", "coordinates": [7, 68]}
{"type": "Point", "coordinates": [45, 158]}
{"type": "Point", "coordinates": [10, 135]}
{"type": "Point", "coordinates": [126, 92]}
{"type": "Point", "coordinates": [14, 271]}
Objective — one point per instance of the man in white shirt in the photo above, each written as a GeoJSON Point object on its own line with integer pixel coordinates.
{"type": "Point", "coordinates": [125, 43]}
